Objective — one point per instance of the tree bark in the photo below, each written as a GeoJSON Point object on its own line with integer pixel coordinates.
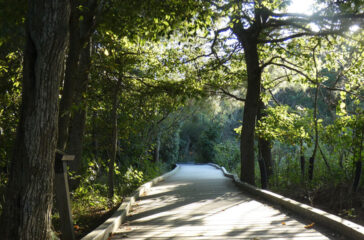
{"type": "Point", "coordinates": [114, 140]}
{"type": "Point", "coordinates": [248, 38]}
{"type": "Point", "coordinates": [94, 136]}
{"type": "Point", "coordinates": [265, 145]}
{"type": "Point", "coordinates": [311, 162]}
{"type": "Point", "coordinates": [80, 33]}
{"type": "Point", "coordinates": [263, 173]}
{"type": "Point", "coordinates": [311, 166]}
{"type": "Point", "coordinates": [157, 149]}
{"type": "Point", "coordinates": [70, 79]}
{"type": "Point", "coordinates": [250, 111]}
{"type": "Point", "coordinates": [77, 124]}
{"type": "Point", "coordinates": [27, 210]}
{"type": "Point", "coordinates": [358, 156]}
{"type": "Point", "coordinates": [302, 161]}
{"type": "Point", "coordinates": [358, 170]}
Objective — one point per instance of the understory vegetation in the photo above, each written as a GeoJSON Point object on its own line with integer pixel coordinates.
{"type": "Point", "coordinates": [274, 96]}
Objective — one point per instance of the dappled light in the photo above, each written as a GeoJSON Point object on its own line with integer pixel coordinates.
{"type": "Point", "coordinates": [198, 202]}
{"type": "Point", "coordinates": [99, 99]}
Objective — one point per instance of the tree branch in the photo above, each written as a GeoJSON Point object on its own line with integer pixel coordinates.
{"type": "Point", "coordinates": [232, 95]}
{"type": "Point", "coordinates": [274, 98]}
{"type": "Point", "coordinates": [294, 70]}
{"type": "Point", "coordinates": [296, 35]}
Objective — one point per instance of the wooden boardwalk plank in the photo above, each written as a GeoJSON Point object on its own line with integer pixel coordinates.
{"type": "Point", "coordinates": [198, 202]}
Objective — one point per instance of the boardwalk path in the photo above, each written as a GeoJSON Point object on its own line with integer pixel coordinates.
{"type": "Point", "coordinates": [198, 202]}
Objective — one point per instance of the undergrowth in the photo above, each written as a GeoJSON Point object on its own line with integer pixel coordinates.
{"type": "Point", "coordinates": [90, 203]}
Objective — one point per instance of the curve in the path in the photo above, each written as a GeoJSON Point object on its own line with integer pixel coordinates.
{"type": "Point", "coordinates": [198, 202]}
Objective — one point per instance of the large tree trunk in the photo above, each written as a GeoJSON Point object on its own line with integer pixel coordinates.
{"type": "Point", "coordinates": [27, 211]}
{"type": "Point", "coordinates": [250, 112]}
{"type": "Point", "coordinates": [77, 124]}
{"type": "Point", "coordinates": [248, 37]}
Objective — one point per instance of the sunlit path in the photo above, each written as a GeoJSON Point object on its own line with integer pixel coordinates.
{"type": "Point", "coordinates": [198, 202]}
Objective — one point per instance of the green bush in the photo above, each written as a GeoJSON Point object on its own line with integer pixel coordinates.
{"type": "Point", "coordinates": [227, 154]}
{"type": "Point", "coordinates": [206, 143]}
{"type": "Point", "coordinates": [91, 192]}
{"type": "Point", "coordinates": [130, 180]}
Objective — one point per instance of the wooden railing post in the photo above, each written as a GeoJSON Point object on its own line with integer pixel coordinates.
{"type": "Point", "coordinates": [62, 195]}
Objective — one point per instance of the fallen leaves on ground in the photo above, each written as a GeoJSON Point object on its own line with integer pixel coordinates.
{"type": "Point", "coordinates": [310, 225]}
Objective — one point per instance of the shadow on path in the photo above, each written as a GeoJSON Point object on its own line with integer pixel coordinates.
{"type": "Point", "coordinates": [198, 202]}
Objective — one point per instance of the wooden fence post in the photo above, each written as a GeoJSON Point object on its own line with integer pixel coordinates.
{"type": "Point", "coordinates": [62, 194]}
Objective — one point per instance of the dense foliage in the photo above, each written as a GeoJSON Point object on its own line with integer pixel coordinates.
{"type": "Point", "coordinates": [152, 83]}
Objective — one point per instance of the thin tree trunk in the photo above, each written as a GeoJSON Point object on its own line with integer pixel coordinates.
{"type": "Point", "coordinates": [186, 152]}
{"type": "Point", "coordinates": [315, 119]}
{"type": "Point", "coordinates": [157, 149]}
{"type": "Point", "coordinates": [95, 141]}
{"type": "Point", "coordinates": [358, 157]}
{"type": "Point", "coordinates": [263, 171]}
{"type": "Point", "coordinates": [265, 145]}
{"type": "Point", "coordinates": [324, 158]}
{"type": "Point", "coordinates": [114, 140]}
{"type": "Point", "coordinates": [358, 170]}
{"type": "Point", "coordinates": [27, 210]}
{"type": "Point", "coordinates": [302, 161]}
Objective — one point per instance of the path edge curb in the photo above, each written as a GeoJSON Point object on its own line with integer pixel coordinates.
{"type": "Point", "coordinates": [103, 231]}
{"type": "Point", "coordinates": [337, 224]}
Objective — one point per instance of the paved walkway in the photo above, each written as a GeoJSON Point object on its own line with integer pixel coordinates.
{"type": "Point", "coordinates": [198, 202]}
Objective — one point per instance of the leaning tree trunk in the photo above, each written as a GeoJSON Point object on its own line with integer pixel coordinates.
{"type": "Point", "coordinates": [27, 210]}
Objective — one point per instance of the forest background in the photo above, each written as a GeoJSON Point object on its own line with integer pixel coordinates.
{"type": "Point", "coordinates": [270, 93]}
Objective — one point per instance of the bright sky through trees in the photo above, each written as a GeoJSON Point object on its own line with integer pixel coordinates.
{"type": "Point", "coordinates": [301, 6]}
{"type": "Point", "coordinates": [306, 7]}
